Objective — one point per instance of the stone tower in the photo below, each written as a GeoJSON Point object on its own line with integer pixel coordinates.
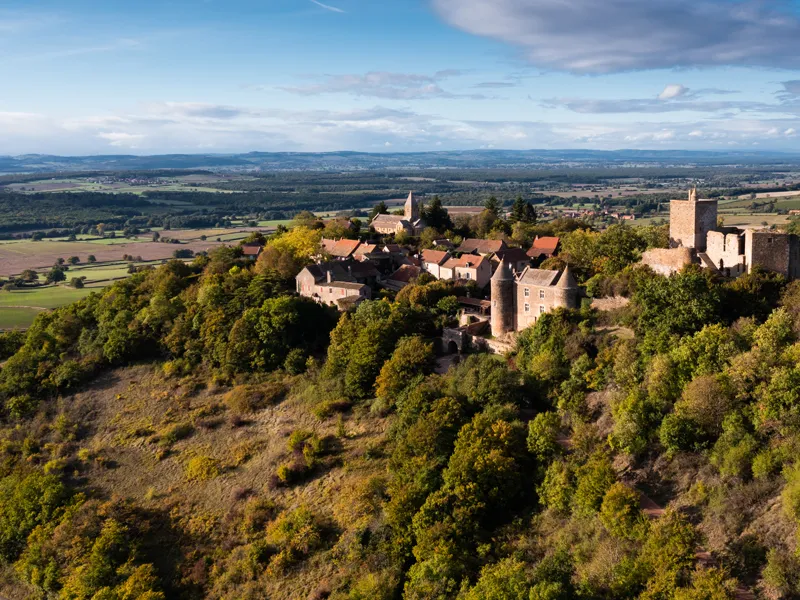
{"type": "Point", "coordinates": [412, 208]}
{"type": "Point", "coordinates": [566, 293]}
{"type": "Point", "coordinates": [690, 221]}
{"type": "Point", "coordinates": [502, 287]}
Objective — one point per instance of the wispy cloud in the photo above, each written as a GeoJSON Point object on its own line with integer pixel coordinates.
{"type": "Point", "coordinates": [382, 84]}
{"type": "Point", "coordinates": [607, 36]}
{"type": "Point", "coordinates": [112, 46]}
{"type": "Point", "coordinates": [327, 7]}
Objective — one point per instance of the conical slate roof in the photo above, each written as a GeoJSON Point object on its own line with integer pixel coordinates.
{"type": "Point", "coordinates": [567, 280]}
{"type": "Point", "coordinates": [503, 272]}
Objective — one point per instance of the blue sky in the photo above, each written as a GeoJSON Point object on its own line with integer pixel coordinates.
{"type": "Point", "coordinates": [146, 77]}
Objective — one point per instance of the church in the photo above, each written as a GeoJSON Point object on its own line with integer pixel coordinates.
{"type": "Point", "coordinates": [410, 221]}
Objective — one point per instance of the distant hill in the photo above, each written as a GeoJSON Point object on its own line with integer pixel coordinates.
{"type": "Point", "coordinates": [288, 161]}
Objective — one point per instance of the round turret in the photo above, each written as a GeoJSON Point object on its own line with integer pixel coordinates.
{"type": "Point", "coordinates": [502, 289]}
{"type": "Point", "coordinates": [566, 292]}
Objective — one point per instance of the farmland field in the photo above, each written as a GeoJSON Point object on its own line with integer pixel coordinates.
{"type": "Point", "coordinates": [17, 318]}
{"type": "Point", "coordinates": [18, 256]}
{"type": "Point", "coordinates": [44, 297]}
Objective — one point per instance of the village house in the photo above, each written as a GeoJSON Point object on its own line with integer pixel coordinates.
{"type": "Point", "coordinates": [410, 221]}
{"type": "Point", "coordinates": [432, 261]}
{"type": "Point", "coordinates": [332, 284]}
{"type": "Point", "coordinates": [252, 251]}
{"type": "Point", "coordinates": [544, 247]}
{"type": "Point", "coordinates": [403, 276]}
{"type": "Point", "coordinates": [467, 268]}
{"type": "Point", "coordinates": [445, 244]}
{"type": "Point", "coordinates": [481, 247]}
{"type": "Point", "coordinates": [516, 258]}
{"type": "Point", "coordinates": [340, 249]}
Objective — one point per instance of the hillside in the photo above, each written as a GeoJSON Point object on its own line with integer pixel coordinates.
{"type": "Point", "coordinates": [198, 431]}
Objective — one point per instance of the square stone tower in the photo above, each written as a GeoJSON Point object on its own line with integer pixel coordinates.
{"type": "Point", "coordinates": [690, 221]}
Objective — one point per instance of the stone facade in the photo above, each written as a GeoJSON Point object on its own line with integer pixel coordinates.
{"type": "Point", "coordinates": [690, 221]}
{"type": "Point", "coordinates": [517, 303]}
{"type": "Point", "coordinates": [773, 251]}
{"type": "Point", "coordinates": [725, 250]}
{"type": "Point", "coordinates": [667, 261]}
{"type": "Point", "coordinates": [333, 285]}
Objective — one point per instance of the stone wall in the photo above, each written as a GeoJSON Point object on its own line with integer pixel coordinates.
{"type": "Point", "coordinates": [690, 222]}
{"type": "Point", "coordinates": [667, 261]}
{"type": "Point", "coordinates": [726, 252]}
{"type": "Point", "coordinates": [777, 252]}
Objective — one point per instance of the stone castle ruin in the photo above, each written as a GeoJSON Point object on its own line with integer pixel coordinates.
{"type": "Point", "coordinates": [695, 237]}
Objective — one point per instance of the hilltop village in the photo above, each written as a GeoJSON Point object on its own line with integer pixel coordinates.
{"type": "Point", "coordinates": [511, 289]}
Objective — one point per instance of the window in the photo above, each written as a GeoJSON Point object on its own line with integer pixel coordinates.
{"type": "Point", "coordinates": [542, 310]}
{"type": "Point", "coordinates": [541, 294]}
{"type": "Point", "coordinates": [527, 292]}
{"type": "Point", "coordinates": [527, 308]}
{"type": "Point", "coordinates": [466, 275]}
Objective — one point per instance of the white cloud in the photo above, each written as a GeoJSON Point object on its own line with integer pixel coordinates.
{"type": "Point", "coordinates": [604, 36]}
{"type": "Point", "coordinates": [122, 139]}
{"type": "Point", "coordinates": [673, 90]}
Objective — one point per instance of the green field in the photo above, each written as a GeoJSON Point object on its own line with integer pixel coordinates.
{"type": "Point", "coordinates": [49, 296]}
{"type": "Point", "coordinates": [17, 318]}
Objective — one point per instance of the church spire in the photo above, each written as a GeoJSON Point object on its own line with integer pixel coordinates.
{"type": "Point", "coordinates": [411, 208]}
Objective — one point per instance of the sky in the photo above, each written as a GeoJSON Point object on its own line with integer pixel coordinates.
{"type": "Point", "coordinates": [219, 76]}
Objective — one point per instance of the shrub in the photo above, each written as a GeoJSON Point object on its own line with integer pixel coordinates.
{"type": "Point", "coordinates": [680, 434]}
{"type": "Point", "coordinates": [620, 511]}
{"type": "Point", "coordinates": [295, 362]}
{"type": "Point", "coordinates": [202, 468]}
{"type": "Point", "coordinates": [245, 399]}
{"type": "Point", "coordinates": [543, 434]}
{"type": "Point", "coordinates": [296, 534]}
{"type": "Point", "coordinates": [505, 580]}
{"type": "Point", "coordinates": [175, 433]}
{"type": "Point", "coordinates": [593, 481]}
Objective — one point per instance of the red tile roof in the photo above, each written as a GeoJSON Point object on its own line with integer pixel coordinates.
{"type": "Point", "coordinates": [436, 257]}
{"type": "Point", "coordinates": [340, 248]}
{"type": "Point", "coordinates": [467, 261]}
{"type": "Point", "coordinates": [251, 249]}
{"type": "Point", "coordinates": [405, 274]}
{"type": "Point", "coordinates": [544, 246]}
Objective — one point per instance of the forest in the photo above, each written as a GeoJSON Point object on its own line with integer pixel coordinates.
{"type": "Point", "coordinates": [646, 451]}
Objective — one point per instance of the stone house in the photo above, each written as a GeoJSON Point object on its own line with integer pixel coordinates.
{"type": "Point", "coordinates": [432, 261]}
{"type": "Point", "coordinates": [405, 275]}
{"type": "Point", "coordinates": [468, 268]}
{"type": "Point", "coordinates": [544, 247]}
{"type": "Point", "coordinates": [252, 250]}
{"type": "Point", "coordinates": [518, 302]}
{"type": "Point", "coordinates": [340, 249]}
{"type": "Point", "coordinates": [326, 284]}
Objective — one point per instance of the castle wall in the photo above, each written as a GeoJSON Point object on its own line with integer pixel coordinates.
{"type": "Point", "coordinates": [727, 252]}
{"type": "Point", "coordinates": [502, 306]}
{"type": "Point", "coordinates": [532, 302]}
{"type": "Point", "coordinates": [777, 252]}
{"type": "Point", "coordinates": [667, 261]}
{"type": "Point", "coordinates": [705, 221]}
{"type": "Point", "coordinates": [690, 221]}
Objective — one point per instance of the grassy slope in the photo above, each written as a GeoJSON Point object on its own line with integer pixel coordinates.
{"type": "Point", "coordinates": [123, 413]}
